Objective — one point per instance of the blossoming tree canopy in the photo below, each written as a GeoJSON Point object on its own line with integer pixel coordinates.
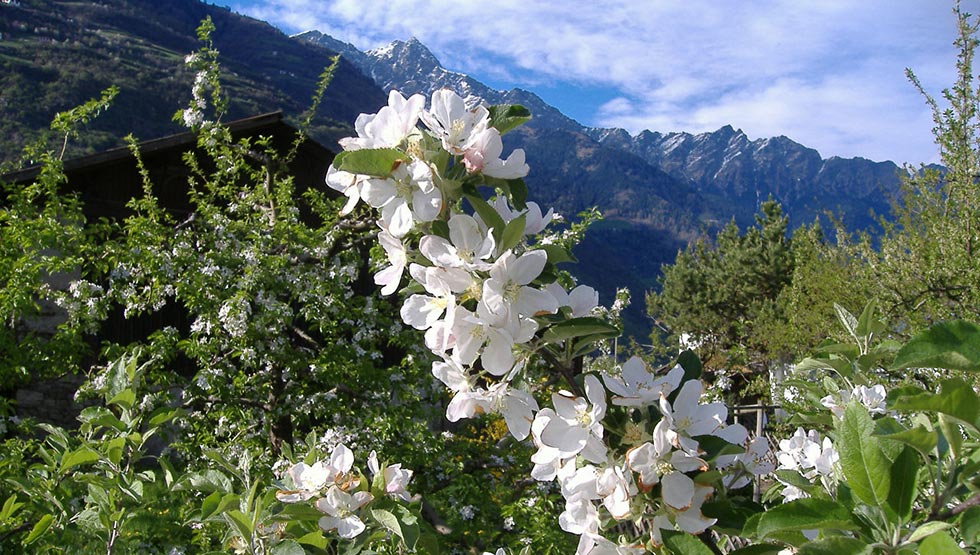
{"type": "Point", "coordinates": [482, 287]}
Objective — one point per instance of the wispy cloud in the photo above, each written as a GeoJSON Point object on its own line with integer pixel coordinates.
{"type": "Point", "coordinates": [828, 74]}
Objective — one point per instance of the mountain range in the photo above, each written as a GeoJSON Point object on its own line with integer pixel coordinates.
{"type": "Point", "coordinates": [656, 190]}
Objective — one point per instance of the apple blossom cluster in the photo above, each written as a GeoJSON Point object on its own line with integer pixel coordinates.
{"type": "Point", "coordinates": [873, 398]}
{"type": "Point", "coordinates": [483, 289]}
{"type": "Point", "coordinates": [812, 457]}
{"type": "Point", "coordinates": [338, 491]}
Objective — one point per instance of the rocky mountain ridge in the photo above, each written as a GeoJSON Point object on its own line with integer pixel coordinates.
{"type": "Point", "coordinates": [731, 173]}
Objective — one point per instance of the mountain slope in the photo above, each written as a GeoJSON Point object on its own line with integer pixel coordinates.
{"type": "Point", "coordinates": [56, 54]}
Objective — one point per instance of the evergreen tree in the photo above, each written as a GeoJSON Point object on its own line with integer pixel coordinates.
{"type": "Point", "coordinates": [719, 297]}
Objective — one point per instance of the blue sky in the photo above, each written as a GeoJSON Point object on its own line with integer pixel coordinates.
{"type": "Point", "coordinates": [829, 74]}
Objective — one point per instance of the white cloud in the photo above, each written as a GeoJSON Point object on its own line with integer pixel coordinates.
{"type": "Point", "coordinates": [828, 74]}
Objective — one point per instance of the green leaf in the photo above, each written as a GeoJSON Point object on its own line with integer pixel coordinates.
{"type": "Point", "coordinates": [377, 162]}
{"type": "Point", "coordinates": [951, 345]}
{"type": "Point", "coordinates": [164, 415]}
{"type": "Point", "coordinates": [80, 456]}
{"type": "Point", "coordinates": [840, 365]}
{"type": "Point", "coordinates": [505, 117]}
{"type": "Point", "coordinates": [928, 529]}
{"type": "Point", "coordinates": [410, 526]}
{"type": "Point", "coordinates": [209, 480]}
{"type": "Point", "coordinates": [125, 399]}
{"type": "Point", "coordinates": [952, 434]}
{"type": "Point", "coordinates": [517, 191]}
{"type": "Point", "coordinates": [940, 543]}
{"type": "Point", "coordinates": [836, 545]}
{"type": "Point", "coordinates": [440, 228]}
{"type": "Point", "coordinates": [513, 233]}
{"type": "Point", "coordinates": [388, 521]}
{"type": "Point", "coordinates": [10, 507]}
{"type": "Point", "coordinates": [804, 514]}
{"type": "Point", "coordinates": [217, 503]}
{"type": "Point", "coordinates": [691, 364]}
{"type": "Point", "coordinates": [970, 524]}
{"type": "Point", "coordinates": [866, 469]}
{"type": "Point", "coordinates": [848, 320]}
{"type": "Point", "coordinates": [868, 323]}
{"type": "Point", "coordinates": [904, 479]}
{"type": "Point", "coordinates": [955, 398]}
{"type": "Point", "coordinates": [168, 471]}
{"type": "Point", "coordinates": [239, 522]}
{"type": "Point", "coordinates": [39, 529]}
{"type": "Point", "coordinates": [514, 189]}
{"type": "Point", "coordinates": [315, 539]}
{"type": "Point", "coordinates": [557, 254]}
{"type": "Point", "coordinates": [287, 547]}
{"type": "Point", "coordinates": [793, 478]}
{"type": "Point", "coordinates": [101, 416]}
{"type": "Point", "coordinates": [579, 327]}
{"type": "Point", "coordinates": [114, 449]}
{"type": "Point", "coordinates": [681, 543]}
{"type": "Point", "coordinates": [919, 438]}
{"type": "Point", "coordinates": [488, 214]}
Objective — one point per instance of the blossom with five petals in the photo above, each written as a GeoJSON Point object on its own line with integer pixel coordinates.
{"type": "Point", "coordinates": [469, 245]}
{"type": "Point", "coordinates": [575, 423]}
{"type": "Point", "coordinates": [409, 195]}
{"type": "Point", "coordinates": [307, 481]}
{"type": "Point", "coordinates": [452, 122]}
{"type": "Point", "coordinates": [636, 386]}
{"type": "Point", "coordinates": [507, 289]}
{"type": "Point", "coordinates": [340, 508]}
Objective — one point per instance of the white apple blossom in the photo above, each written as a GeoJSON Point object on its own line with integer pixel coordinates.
{"type": "Point", "coordinates": [575, 423]}
{"type": "Point", "coordinates": [691, 520]}
{"type": "Point", "coordinates": [636, 386]}
{"type": "Point", "coordinates": [534, 221]}
{"type": "Point", "coordinates": [507, 289]}
{"type": "Point", "coordinates": [812, 457]}
{"type": "Point", "coordinates": [340, 508]}
{"type": "Point", "coordinates": [396, 479]}
{"type": "Point", "coordinates": [339, 467]}
{"type": "Point", "coordinates": [441, 284]}
{"type": "Point", "coordinates": [483, 152]}
{"type": "Point", "coordinates": [516, 406]}
{"type": "Point", "coordinates": [581, 300]}
{"type": "Point", "coordinates": [390, 126]}
{"type": "Point", "coordinates": [548, 461]}
{"type": "Point", "coordinates": [605, 547]}
{"type": "Point", "coordinates": [616, 488]}
{"type": "Point", "coordinates": [348, 184]}
{"type": "Point", "coordinates": [653, 462]}
{"type": "Point", "coordinates": [689, 418]}
{"type": "Point", "coordinates": [307, 481]}
{"type": "Point", "coordinates": [495, 334]}
{"type": "Point", "coordinates": [450, 121]}
{"type": "Point", "coordinates": [409, 195]}
{"type": "Point", "coordinates": [469, 246]}
{"type": "Point", "coordinates": [391, 276]}
{"type": "Point", "coordinates": [873, 398]}
{"type": "Point", "coordinates": [740, 468]}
